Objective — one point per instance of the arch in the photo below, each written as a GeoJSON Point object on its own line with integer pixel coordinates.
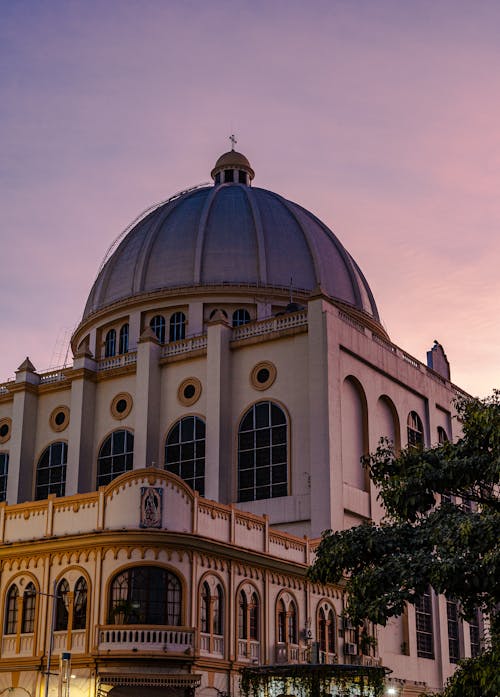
{"type": "Point", "coordinates": [326, 622]}
{"type": "Point", "coordinates": [354, 417]}
{"type": "Point", "coordinates": [145, 594]}
{"type": "Point", "coordinates": [212, 614]}
{"type": "Point", "coordinates": [287, 619]}
{"type": "Point", "coordinates": [80, 603]}
{"type": "Point", "coordinates": [248, 612]}
{"type": "Point", "coordinates": [263, 452]}
{"type": "Point", "coordinates": [157, 324]}
{"type": "Point", "coordinates": [185, 451]}
{"type": "Point", "coordinates": [241, 316]}
{"type": "Point", "coordinates": [415, 431]}
{"type": "Point", "coordinates": [110, 344]}
{"type": "Point", "coordinates": [123, 340]}
{"type": "Point", "coordinates": [11, 610]}
{"type": "Point", "coordinates": [388, 421]}
{"type": "Point", "coordinates": [4, 474]}
{"type": "Point", "coordinates": [51, 471]}
{"type": "Point", "coordinates": [62, 605]}
{"type": "Point", "coordinates": [29, 609]}
{"type": "Point", "coordinates": [116, 456]}
{"type": "Point", "coordinates": [177, 327]}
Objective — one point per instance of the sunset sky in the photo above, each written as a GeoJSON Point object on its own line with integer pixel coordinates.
{"type": "Point", "coordinates": [381, 117]}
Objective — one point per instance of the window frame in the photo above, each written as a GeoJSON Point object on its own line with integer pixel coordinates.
{"type": "Point", "coordinates": [110, 343]}
{"type": "Point", "coordinates": [103, 479]}
{"type": "Point", "coordinates": [57, 487]}
{"type": "Point", "coordinates": [197, 480]}
{"type": "Point", "coordinates": [123, 339]}
{"type": "Point", "coordinates": [157, 324]}
{"type": "Point", "coordinates": [177, 326]}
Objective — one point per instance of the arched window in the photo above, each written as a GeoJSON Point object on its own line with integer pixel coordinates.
{"type": "Point", "coordinates": [286, 622]}
{"type": "Point", "coordinates": [248, 617]}
{"type": "Point", "coordinates": [110, 344]}
{"type": "Point", "coordinates": [29, 607]}
{"type": "Point", "coordinates": [116, 456]}
{"type": "Point", "coordinates": [281, 622]}
{"type": "Point", "coordinates": [51, 471]}
{"type": "Point", "coordinates": [415, 431]}
{"type": "Point", "coordinates": [212, 607]}
{"type": "Point", "coordinates": [145, 595]}
{"type": "Point", "coordinates": [123, 342]}
{"type": "Point", "coordinates": [62, 603]}
{"type": "Point", "coordinates": [442, 435]}
{"type": "Point", "coordinates": [326, 622]}
{"type": "Point", "coordinates": [177, 326]}
{"type": "Point", "coordinates": [185, 452]}
{"type": "Point", "coordinates": [262, 453]}
{"type": "Point", "coordinates": [205, 608]}
{"type": "Point", "coordinates": [80, 604]}
{"type": "Point", "coordinates": [157, 324]}
{"type": "Point", "coordinates": [4, 471]}
{"type": "Point", "coordinates": [241, 316]}
{"type": "Point", "coordinates": [11, 610]}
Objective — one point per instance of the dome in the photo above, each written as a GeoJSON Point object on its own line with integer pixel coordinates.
{"type": "Point", "coordinates": [230, 234]}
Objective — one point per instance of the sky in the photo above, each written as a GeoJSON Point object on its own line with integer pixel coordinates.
{"type": "Point", "coordinates": [381, 117]}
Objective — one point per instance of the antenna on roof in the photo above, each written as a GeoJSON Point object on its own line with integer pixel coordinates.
{"type": "Point", "coordinates": [291, 290]}
{"type": "Point", "coordinates": [233, 140]}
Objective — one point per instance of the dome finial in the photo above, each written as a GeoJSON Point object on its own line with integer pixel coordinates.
{"type": "Point", "coordinates": [232, 167]}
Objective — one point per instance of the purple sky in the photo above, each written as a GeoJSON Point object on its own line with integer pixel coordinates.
{"type": "Point", "coordinates": [380, 117]}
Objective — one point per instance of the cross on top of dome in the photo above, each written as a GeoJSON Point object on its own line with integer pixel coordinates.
{"type": "Point", "coordinates": [232, 167]}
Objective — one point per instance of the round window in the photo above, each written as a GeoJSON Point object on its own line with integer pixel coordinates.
{"type": "Point", "coordinates": [59, 418]}
{"type": "Point", "coordinates": [5, 427]}
{"type": "Point", "coordinates": [263, 375]}
{"type": "Point", "coordinates": [121, 406]}
{"type": "Point", "coordinates": [189, 391]}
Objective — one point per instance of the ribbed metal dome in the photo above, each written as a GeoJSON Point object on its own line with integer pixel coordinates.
{"type": "Point", "coordinates": [230, 234]}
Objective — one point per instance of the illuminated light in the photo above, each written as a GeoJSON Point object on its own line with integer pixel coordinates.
{"type": "Point", "coordinates": [72, 676]}
{"type": "Point", "coordinates": [392, 691]}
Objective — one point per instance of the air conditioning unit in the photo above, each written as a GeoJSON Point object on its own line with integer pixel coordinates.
{"type": "Point", "coordinates": [350, 649]}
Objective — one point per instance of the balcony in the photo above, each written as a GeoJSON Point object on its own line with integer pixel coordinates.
{"type": "Point", "coordinates": [12, 645]}
{"type": "Point", "coordinates": [287, 653]}
{"type": "Point", "coordinates": [145, 638]}
{"type": "Point", "coordinates": [77, 641]}
{"type": "Point", "coordinates": [248, 651]}
{"type": "Point", "coordinates": [211, 645]}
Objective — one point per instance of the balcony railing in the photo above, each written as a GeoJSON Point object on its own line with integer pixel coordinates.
{"type": "Point", "coordinates": [273, 324]}
{"type": "Point", "coordinates": [151, 638]}
{"type": "Point", "coordinates": [9, 645]}
{"type": "Point", "coordinates": [287, 653]}
{"type": "Point", "coordinates": [212, 645]}
{"type": "Point", "coordinates": [117, 361]}
{"type": "Point", "coordinates": [248, 651]}
{"type": "Point", "coordinates": [77, 641]}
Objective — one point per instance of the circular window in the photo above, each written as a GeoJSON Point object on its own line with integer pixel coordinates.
{"type": "Point", "coordinates": [263, 375]}
{"type": "Point", "coordinates": [5, 428]}
{"type": "Point", "coordinates": [121, 406]}
{"type": "Point", "coordinates": [189, 391]}
{"type": "Point", "coordinates": [59, 418]}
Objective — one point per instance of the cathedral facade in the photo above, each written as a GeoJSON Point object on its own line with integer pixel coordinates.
{"type": "Point", "coordinates": [164, 495]}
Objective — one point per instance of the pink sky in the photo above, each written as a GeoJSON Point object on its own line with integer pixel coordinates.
{"type": "Point", "coordinates": [380, 117]}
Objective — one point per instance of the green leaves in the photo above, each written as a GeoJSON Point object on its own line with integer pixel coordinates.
{"type": "Point", "coordinates": [451, 546]}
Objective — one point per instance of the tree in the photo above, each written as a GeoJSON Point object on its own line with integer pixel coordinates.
{"type": "Point", "coordinates": [441, 528]}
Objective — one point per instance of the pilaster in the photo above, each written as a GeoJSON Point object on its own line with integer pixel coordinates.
{"type": "Point", "coordinates": [147, 400]}
{"type": "Point", "coordinates": [80, 470]}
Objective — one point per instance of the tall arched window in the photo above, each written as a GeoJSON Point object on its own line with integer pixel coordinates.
{"type": "Point", "coordinates": [262, 453]}
{"type": "Point", "coordinates": [157, 324]}
{"type": "Point", "coordinates": [62, 603]}
{"type": "Point", "coordinates": [11, 610]}
{"type": "Point", "coordinates": [51, 471]}
{"type": "Point", "coordinates": [241, 316]}
{"type": "Point", "coordinates": [29, 608]}
{"type": "Point", "coordinates": [80, 604]}
{"type": "Point", "coordinates": [110, 344]}
{"type": "Point", "coordinates": [326, 622]}
{"type": "Point", "coordinates": [248, 617]}
{"type": "Point", "coordinates": [415, 431]}
{"type": "Point", "coordinates": [185, 452]}
{"type": "Point", "coordinates": [212, 609]}
{"type": "Point", "coordinates": [286, 622]}
{"type": "Point", "coordinates": [123, 342]}
{"type": "Point", "coordinates": [116, 456]}
{"type": "Point", "coordinates": [177, 326]}
{"type": "Point", "coordinates": [4, 471]}
{"type": "Point", "coordinates": [281, 622]}
{"type": "Point", "coordinates": [145, 595]}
